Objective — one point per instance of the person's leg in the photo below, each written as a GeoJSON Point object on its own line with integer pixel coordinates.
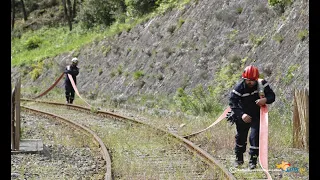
{"type": "Point", "coordinates": [254, 143]}
{"type": "Point", "coordinates": [67, 93]}
{"type": "Point", "coordinates": [241, 141]}
{"type": "Point", "coordinates": [71, 96]}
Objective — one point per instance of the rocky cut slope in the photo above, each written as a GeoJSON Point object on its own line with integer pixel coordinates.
{"type": "Point", "coordinates": [197, 44]}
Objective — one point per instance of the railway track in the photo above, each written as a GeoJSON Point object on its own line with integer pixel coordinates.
{"type": "Point", "coordinates": [68, 153]}
{"type": "Point", "coordinates": [140, 150]}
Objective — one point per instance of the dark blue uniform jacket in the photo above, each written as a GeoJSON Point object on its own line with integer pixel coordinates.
{"type": "Point", "coordinates": [242, 99]}
{"type": "Point", "coordinates": [74, 71]}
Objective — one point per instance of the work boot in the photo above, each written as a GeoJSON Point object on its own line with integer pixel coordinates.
{"type": "Point", "coordinates": [253, 161]}
{"type": "Point", "coordinates": [239, 160]}
{"type": "Point", "coordinates": [71, 101]}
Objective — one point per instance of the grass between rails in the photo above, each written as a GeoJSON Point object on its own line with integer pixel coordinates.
{"type": "Point", "coordinates": [219, 140]}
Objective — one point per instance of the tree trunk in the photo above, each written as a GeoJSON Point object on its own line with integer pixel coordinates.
{"type": "Point", "coordinates": [66, 14]}
{"type": "Point", "coordinates": [74, 9]}
{"type": "Point", "coordinates": [70, 10]}
{"type": "Point", "coordinates": [24, 11]}
{"type": "Point", "coordinates": [13, 9]}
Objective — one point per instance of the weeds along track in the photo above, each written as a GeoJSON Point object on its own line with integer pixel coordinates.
{"type": "Point", "coordinates": [85, 130]}
{"type": "Point", "coordinates": [68, 152]}
{"type": "Point", "coordinates": [139, 150]}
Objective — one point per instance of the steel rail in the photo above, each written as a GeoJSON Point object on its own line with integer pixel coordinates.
{"type": "Point", "coordinates": [97, 139]}
{"type": "Point", "coordinates": [211, 161]}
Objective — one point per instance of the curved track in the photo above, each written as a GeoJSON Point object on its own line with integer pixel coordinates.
{"type": "Point", "coordinates": [86, 130]}
{"type": "Point", "coordinates": [207, 158]}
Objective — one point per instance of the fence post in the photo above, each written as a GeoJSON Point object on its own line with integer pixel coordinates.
{"type": "Point", "coordinates": [17, 115]}
{"type": "Point", "coordinates": [301, 119]}
{"type": "Point", "coordinates": [12, 118]}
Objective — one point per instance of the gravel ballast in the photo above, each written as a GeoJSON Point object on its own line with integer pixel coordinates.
{"type": "Point", "coordinates": [67, 154]}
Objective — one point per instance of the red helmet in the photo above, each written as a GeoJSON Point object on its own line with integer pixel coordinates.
{"type": "Point", "coordinates": [251, 73]}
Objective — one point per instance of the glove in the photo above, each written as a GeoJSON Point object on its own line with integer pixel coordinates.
{"type": "Point", "coordinates": [231, 118]}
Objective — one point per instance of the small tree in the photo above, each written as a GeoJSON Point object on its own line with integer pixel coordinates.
{"type": "Point", "coordinates": [96, 12]}
{"type": "Point", "coordinates": [140, 7]}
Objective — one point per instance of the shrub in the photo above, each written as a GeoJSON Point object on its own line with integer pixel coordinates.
{"type": "Point", "coordinates": [171, 29]}
{"type": "Point", "coordinates": [33, 43]}
{"type": "Point", "coordinates": [302, 34]}
{"type": "Point", "coordinates": [180, 22]}
{"type": "Point", "coordinates": [279, 2]}
{"type": "Point", "coordinates": [140, 7]}
{"type": "Point", "coordinates": [278, 38]}
{"type": "Point", "coordinates": [35, 73]}
{"type": "Point", "coordinates": [96, 12]}
{"type": "Point", "coordinates": [137, 75]}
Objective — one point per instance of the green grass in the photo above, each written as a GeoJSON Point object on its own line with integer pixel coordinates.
{"type": "Point", "coordinates": [54, 41]}
{"type": "Point", "coordinates": [46, 42]}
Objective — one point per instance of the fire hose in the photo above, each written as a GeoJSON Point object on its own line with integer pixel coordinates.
{"type": "Point", "coordinates": [56, 82]}
{"type": "Point", "coordinates": [263, 132]}
{"type": "Point", "coordinates": [263, 136]}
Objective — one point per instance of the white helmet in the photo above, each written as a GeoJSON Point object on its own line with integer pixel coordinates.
{"type": "Point", "coordinates": [74, 60]}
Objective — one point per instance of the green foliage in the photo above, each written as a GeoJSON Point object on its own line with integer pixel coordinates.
{"type": "Point", "coordinates": [233, 34]}
{"type": "Point", "coordinates": [290, 73]}
{"type": "Point", "coordinates": [302, 34]}
{"type": "Point", "coordinates": [54, 41]}
{"type": "Point", "coordinates": [37, 70]}
{"type": "Point", "coordinates": [113, 73]}
{"type": "Point", "coordinates": [239, 10]}
{"type": "Point", "coordinates": [100, 71]}
{"type": "Point", "coordinates": [207, 102]}
{"type": "Point", "coordinates": [279, 2]}
{"type": "Point", "coordinates": [199, 103]}
{"type": "Point", "coordinates": [106, 50]}
{"type": "Point", "coordinates": [93, 14]}
{"type": "Point", "coordinates": [97, 12]}
{"type": "Point", "coordinates": [140, 7]}
{"type": "Point", "coordinates": [171, 29]}
{"type": "Point", "coordinates": [137, 75]}
{"type": "Point", "coordinates": [180, 22]}
{"type": "Point", "coordinates": [256, 40]}
{"type": "Point", "coordinates": [278, 38]}
{"type": "Point", "coordinates": [120, 69]}
{"type": "Point", "coordinates": [32, 43]}
{"type": "Point", "coordinates": [93, 109]}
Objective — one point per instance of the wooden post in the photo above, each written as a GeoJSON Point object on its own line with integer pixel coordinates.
{"type": "Point", "coordinates": [301, 119]}
{"type": "Point", "coordinates": [17, 115]}
{"type": "Point", "coordinates": [12, 119]}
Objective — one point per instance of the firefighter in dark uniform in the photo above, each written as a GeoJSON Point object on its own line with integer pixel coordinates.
{"type": "Point", "coordinates": [245, 103]}
{"type": "Point", "coordinates": [73, 70]}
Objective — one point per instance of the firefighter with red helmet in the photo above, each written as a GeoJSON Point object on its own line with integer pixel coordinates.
{"type": "Point", "coordinates": [245, 101]}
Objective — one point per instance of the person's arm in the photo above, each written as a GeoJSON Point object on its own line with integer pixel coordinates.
{"type": "Point", "coordinates": [269, 94]}
{"type": "Point", "coordinates": [67, 70]}
{"type": "Point", "coordinates": [234, 101]}
{"type": "Point", "coordinates": [76, 72]}
{"type": "Point", "coordinates": [73, 72]}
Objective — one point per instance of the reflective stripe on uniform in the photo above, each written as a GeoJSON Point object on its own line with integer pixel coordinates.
{"type": "Point", "coordinates": [246, 94]}
{"type": "Point", "coordinates": [237, 93]}
{"type": "Point", "coordinates": [254, 147]}
{"type": "Point", "coordinates": [265, 85]}
{"type": "Point", "coordinates": [239, 145]}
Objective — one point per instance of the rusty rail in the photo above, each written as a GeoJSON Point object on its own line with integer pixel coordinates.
{"type": "Point", "coordinates": [98, 141]}
{"type": "Point", "coordinates": [211, 161]}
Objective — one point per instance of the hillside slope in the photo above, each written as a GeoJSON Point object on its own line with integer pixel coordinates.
{"type": "Point", "coordinates": [208, 43]}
